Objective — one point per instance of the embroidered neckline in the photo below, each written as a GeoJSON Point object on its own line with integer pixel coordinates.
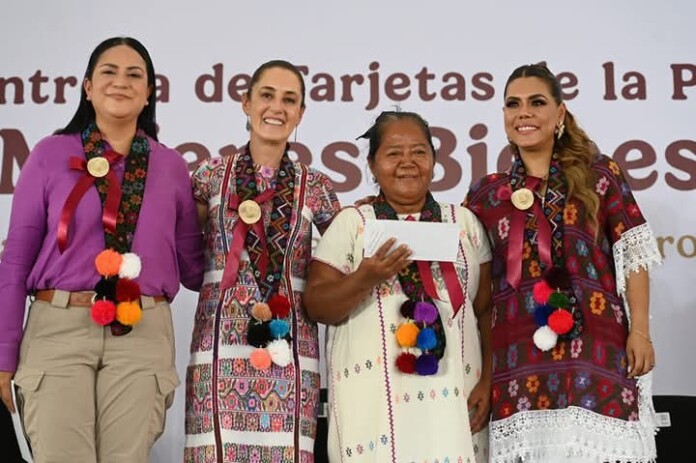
{"type": "Point", "coordinates": [117, 294]}
{"type": "Point", "coordinates": [266, 242]}
{"type": "Point", "coordinates": [553, 202]}
{"type": "Point", "coordinates": [278, 227]}
{"type": "Point", "coordinates": [132, 185]}
{"type": "Point", "coordinates": [556, 312]}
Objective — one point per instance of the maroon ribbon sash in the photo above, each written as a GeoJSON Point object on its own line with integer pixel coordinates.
{"type": "Point", "coordinates": [113, 198]}
{"type": "Point", "coordinates": [454, 288]}
{"type": "Point", "coordinates": [516, 239]}
{"type": "Point", "coordinates": [239, 233]}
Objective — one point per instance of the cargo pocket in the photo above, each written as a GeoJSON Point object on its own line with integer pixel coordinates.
{"type": "Point", "coordinates": [166, 386]}
{"type": "Point", "coordinates": [29, 380]}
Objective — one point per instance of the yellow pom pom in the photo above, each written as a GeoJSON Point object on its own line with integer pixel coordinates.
{"type": "Point", "coordinates": [108, 262]}
{"type": "Point", "coordinates": [407, 334]}
{"type": "Point", "coordinates": [129, 313]}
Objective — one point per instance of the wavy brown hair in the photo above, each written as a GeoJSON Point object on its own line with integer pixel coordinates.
{"type": "Point", "coordinates": [576, 151]}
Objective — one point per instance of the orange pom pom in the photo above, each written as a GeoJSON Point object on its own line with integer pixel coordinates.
{"type": "Point", "coordinates": [407, 334]}
{"type": "Point", "coordinates": [129, 313]}
{"type": "Point", "coordinates": [260, 359]}
{"type": "Point", "coordinates": [108, 262]}
{"type": "Point", "coordinates": [261, 312]}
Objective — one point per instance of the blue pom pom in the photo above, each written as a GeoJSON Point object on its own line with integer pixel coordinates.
{"type": "Point", "coordinates": [279, 328]}
{"type": "Point", "coordinates": [426, 339]}
{"type": "Point", "coordinates": [541, 314]}
{"type": "Point", "coordinates": [426, 365]}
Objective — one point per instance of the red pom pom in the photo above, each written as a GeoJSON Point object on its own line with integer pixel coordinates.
{"type": "Point", "coordinates": [103, 312]}
{"type": "Point", "coordinates": [561, 321]}
{"type": "Point", "coordinates": [406, 362]}
{"type": "Point", "coordinates": [541, 292]}
{"type": "Point", "coordinates": [280, 306]}
{"type": "Point", "coordinates": [127, 290]}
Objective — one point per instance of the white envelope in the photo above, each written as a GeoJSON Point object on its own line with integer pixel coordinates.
{"type": "Point", "coordinates": [432, 241]}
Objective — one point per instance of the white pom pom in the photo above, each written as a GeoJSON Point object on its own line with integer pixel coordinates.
{"type": "Point", "coordinates": [545, 338]}
{"type": "Point", "coordinates": [130, 266]}
{"type": "Point", "coordinates": [279, 351]}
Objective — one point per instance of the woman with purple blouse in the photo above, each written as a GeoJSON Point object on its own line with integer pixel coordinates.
{"type": "Point", "coordinates": [102, 231]}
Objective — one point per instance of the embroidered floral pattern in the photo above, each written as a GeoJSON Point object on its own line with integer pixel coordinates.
{"type": "Point", "coordinates": [570, 374]}
{"type": "Point", "coordinates": [388, 399]}
{"type": "Point", "coordinates": [276, 404]}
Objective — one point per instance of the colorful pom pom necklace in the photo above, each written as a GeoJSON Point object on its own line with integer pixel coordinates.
{"type": "Point", "coordinates": [269, 332]}
{"type": "Point", "coordinates": [421, 335]}
{"type": "Point", "coordinates": [556, 313]}
{"type": "Point", "coordinates": [270, 322]}
{"type": "Point", "coordinates": [117, 295]}
{"type": "Point", "coordinates": [422, 338]}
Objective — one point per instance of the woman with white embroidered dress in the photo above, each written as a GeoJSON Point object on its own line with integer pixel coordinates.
{"type": "Point", "coordinates": [408, 343]}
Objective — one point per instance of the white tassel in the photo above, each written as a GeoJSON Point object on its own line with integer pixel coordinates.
{"type": "Point", "coordinates": [545, 338]}
{"type": "Point", "coordinates": [130, 266]}
{"type": "Point", "coordinates": [279, 351]}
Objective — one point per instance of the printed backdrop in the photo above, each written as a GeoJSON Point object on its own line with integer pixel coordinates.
{"type": "Point", "coordinates": [628, 69]}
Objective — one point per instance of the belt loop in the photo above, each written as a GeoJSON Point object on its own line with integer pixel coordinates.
{"type": "Point", "coordinates": [61, 299]}
{"type": "Point", "coordinates": [147, 302]}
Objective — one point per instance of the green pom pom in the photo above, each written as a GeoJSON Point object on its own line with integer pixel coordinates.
{"type": "Point", "coordinates": [559, 300]}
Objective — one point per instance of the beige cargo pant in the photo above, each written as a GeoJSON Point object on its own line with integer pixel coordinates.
{"type": "Point", "coordinates": [86, 396]}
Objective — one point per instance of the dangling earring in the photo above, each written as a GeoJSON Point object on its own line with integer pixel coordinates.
{"type": "Point", "coordinates": [295, 140]}
{"type": "Point", "coordinates": [560, 128]}
{"type": "Point", "coordinates": [248, 123]}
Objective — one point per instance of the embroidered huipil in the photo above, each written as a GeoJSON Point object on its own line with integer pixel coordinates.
{"type": "Point", "coordinates": [234, 412]}
{"type": "Point", "coordinates": [376, 412]}
{"type": "Point", "coordinates": [167, 239]}
{"type": "Point", "coordinates": [573, 401]}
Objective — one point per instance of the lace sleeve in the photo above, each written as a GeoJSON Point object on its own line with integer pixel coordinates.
{"type": "Point", "coordinates": [636, 249]}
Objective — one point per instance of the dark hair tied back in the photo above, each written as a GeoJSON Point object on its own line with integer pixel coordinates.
{"type": "Point", "coordinates": [376, 131]}
{"type": "Point", "coordinates": [282, 64]}
{"type": "Point", "coordinates": [85, 114]}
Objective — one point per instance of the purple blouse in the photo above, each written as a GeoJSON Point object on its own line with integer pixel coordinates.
{"type": "Point", "coordinates": [167, 239]}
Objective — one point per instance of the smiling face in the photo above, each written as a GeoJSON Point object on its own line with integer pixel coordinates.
{"type": "Point", "coordinates": [531, 115]}
{"type": "Point", "coordinates": [274, 105]}
{"type": "Point", "coordinates": [403, 165]}
{"type": "Point", "coordinates": [118, 87]}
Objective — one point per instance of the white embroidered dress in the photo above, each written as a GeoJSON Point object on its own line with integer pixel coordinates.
{"type": "Point", "coordinates": [377, 413]}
